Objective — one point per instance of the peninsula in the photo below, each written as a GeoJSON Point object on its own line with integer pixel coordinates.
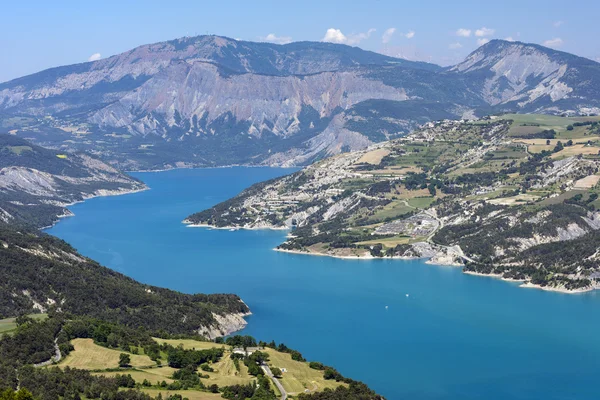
{"type": "Point", "coordinates": [511, 196]}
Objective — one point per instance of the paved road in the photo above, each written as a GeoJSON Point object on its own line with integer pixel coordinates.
{"type": "Point", "coordinates": [275, 381]}
{"type": "Point", "coordinates": [57, 357]}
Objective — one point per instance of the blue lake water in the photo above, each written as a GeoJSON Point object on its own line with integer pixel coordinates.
{"type": "Point", "coordinates": [454, 337]}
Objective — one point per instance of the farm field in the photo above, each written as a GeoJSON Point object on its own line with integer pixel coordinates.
{"type": "Point", "coordinates": [297, 377]}
{"type": "Point", "coordinates": [88, 355]}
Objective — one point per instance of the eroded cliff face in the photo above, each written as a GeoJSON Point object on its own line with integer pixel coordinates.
{"type": "Point", "coordinates": [210, 100]}
{"type": "Point", "coordinates": [197, 91]}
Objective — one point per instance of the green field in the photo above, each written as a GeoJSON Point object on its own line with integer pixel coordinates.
{"type": "Point", "coordinates": [525, 124]}
{"type": "Point", "coordinates": [9, 324]}
{"type": "Point", "coordinates": [297, 378]}
{"type": "Point", "coordinates": [299, 375]}
{"type": "Point", "coordinates": [390, 242]}
{"type": "Point", "coordinates": [190, 343]}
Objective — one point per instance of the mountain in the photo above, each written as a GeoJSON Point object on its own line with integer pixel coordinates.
{"type": "Point", "coordinates": [515, 76]}
{"type": "Point", "coordinates": [37, 183]}
{"type": "Point", "coordinates": [514, 197]}
{"type": "Point", "coordinates": [211, 100]}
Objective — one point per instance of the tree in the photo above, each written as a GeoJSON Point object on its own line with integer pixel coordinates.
{"type": "Point", "coordinates": [124, 360]}
{"type": "Point", "coordinates": [276, 372]}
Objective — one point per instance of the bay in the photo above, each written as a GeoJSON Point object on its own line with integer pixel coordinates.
{"type": "Point", "coordinates": [408, 329]}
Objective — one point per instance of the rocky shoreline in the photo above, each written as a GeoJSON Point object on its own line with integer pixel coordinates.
{"type": "Point", "coordinates": [191, 224]}
{"type": "Point", "coordinates": [226, 325]}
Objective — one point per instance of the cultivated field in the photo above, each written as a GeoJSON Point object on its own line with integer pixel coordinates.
{"type": "Point", "coordinates": [190, 394]}
{"type": "Point", "coordinates": [374, 157]}
{"type": "Point", "coordinates": [587, 183]}
{"type": "Point", "coordinates": [88, 355]}
{"type": "Point", "coordinates": [299, 376]}
{"type": "Point", "coordinates": [154, 375]}
{"type": "Point", "coordinates": [190, 343]}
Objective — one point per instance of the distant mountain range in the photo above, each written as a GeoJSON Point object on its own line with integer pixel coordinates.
{"type": "Point", "coordinates": [210, 100]}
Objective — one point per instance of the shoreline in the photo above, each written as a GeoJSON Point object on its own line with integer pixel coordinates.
{"type": "Point", "coordinates": [234, 228]}
{"type": "Point", "coordinates": [213, 167]}
{"type": "Point", "coordinates": [524, 283]}
{"type": "Point", "coordinates": [308, 253]}
{"type": "Point", "coordinates": [70, 213]}
{"type": "Point", "coordinates": [529, 285]}
{"type": "Point", "coordinates": [367, 256]}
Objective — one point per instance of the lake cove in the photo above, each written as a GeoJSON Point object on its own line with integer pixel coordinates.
{"type": "Point", "coordinates": [455, 336]}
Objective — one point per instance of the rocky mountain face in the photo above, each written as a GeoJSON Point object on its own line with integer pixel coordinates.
{"type": "Point", "coordinates": [211, 100]}
{"type": "Point", "coordinates": [523, 77]}
{"type": "Point", "coordinates": [36, 183]}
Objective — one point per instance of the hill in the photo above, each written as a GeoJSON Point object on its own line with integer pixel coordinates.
{"type": "Point", "coordinates": [37, 183]}
{"type": "Point", "coordinates": [39, 273]}
{"type": "Point", "coordinates": [513, 196]}
{"type": "Point", "coordinates": [211, 100]}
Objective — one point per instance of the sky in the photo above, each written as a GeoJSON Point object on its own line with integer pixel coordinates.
{"type": "Point", "coordinates": [39, 34]}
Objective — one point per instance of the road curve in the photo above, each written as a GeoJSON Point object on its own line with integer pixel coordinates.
{"type": "Point", "coordinates": [275, 381]}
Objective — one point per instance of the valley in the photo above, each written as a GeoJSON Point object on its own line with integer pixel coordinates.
{"type": "Point", "coordinates": [200, 172]}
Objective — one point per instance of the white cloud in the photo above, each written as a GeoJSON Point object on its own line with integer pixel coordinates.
{"type": "Point", "coordinates": [336, 36]}
{"type": "Point", "coordinates": [455, 46]}
{"type": "Point", "coordinates": [556, 42]}
{"type": "Point", "coordinates": [463, 32]}
{"type": "Point", "coordinates": [557, 24]}
{"type": "Point", "coordinates": [509, 39]}
{"type": "Point", "coordinates": [95, 57]}
{"type": "Point", "coordinates": [409, 34]}
{"type": "Point", "coordinates": [481, 32]}
{"type": "Point", "coordinates": [482, 41]}
{"type": "Point", "coordinates": [387, 35]}
{"type": "Point", "coordinates": [272, 38]}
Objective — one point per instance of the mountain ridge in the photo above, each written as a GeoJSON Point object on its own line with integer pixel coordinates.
{"type": "Point", "coordinates": [211, 100]}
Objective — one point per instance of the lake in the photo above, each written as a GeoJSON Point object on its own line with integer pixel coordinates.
{"type": "Point", "coordinates": [408, 329]}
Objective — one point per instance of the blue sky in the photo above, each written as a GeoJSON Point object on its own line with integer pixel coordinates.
{"type": "Point", "coordinates": [39, 34]}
